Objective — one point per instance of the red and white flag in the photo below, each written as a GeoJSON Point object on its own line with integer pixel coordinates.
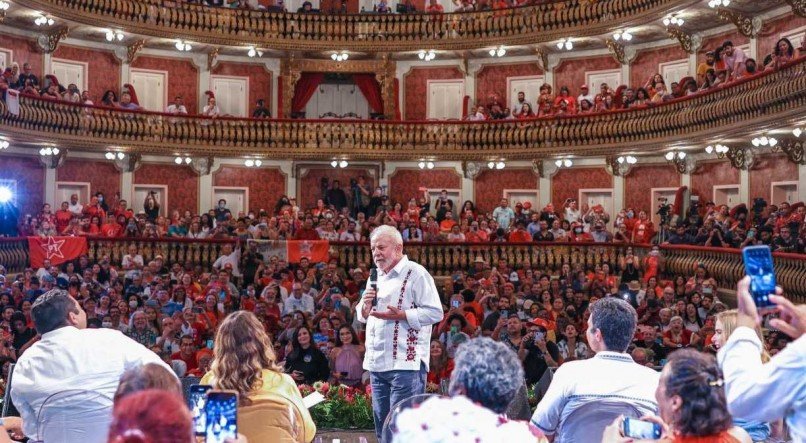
{"type": "Point", "coordinates": [56, 249]}
{"type": "Point", "coordinates": [294, 250]}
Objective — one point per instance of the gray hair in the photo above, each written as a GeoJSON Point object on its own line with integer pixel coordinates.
{"type": "Point", "coordinates": [487, 372]}
{"type": "Point", "coordinates": [616, 320]}
{"type": "Point", "coordinates": [386, 231]}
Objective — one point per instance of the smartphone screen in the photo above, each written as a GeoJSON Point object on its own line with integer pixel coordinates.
{"type": "Point", "coordinates": [454, 303]}
{"type": "Point", "coordinates": [221, 416]}
{"type": "Point", "coordinates": [196, 400]}
{"type": "Point", "coordinates": [758, 266]}
{"type": "Point", "coordinates": [641, 429]}
{"type": "Point", "coordinates": [209, 344]}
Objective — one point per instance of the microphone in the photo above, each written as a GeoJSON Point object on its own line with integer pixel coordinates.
{"type": "Point", "coordinates": [373, 284]}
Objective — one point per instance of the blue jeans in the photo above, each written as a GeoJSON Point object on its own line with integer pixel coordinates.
{"type": "Point", "coordinates": [389, 388]}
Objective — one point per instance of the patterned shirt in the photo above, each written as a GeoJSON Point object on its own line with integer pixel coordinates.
{"type": "Point", "coordinates": [146, 338]}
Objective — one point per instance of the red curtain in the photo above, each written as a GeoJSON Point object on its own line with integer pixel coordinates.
{"type": "Point", "coordinates": [305, 88]}
{"type": "Point", "coordinates": [371, 90]}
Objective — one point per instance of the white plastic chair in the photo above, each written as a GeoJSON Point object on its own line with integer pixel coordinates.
{"type": "Point", "coordinates": [390, 424]}
{"type": "Point", "coordinates": [74, 416]}
{"type": "Point", "coordinates": [587, 423]}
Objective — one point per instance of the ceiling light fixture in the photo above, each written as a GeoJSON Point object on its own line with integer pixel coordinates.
{"type": "Point", "coordinates": [498, 52]}
{"type": "Point", "coordinates": [629, 159]}
{"type": "Point", "coordinates": [43, 20]}
{"type": "Point", "coordinates": [4, 144]}
{"type": "Point", "coordinates": [183, 46]}
{"type": "Point", "coordinates": [673, 20]}
{"type": "Point", "coordinates": [339, 56]}
{"type": "Point", "coordinates": [717, 3]}
{"type": "Point", "coordinates": [179, 160]}
{"type": "Point", "coordinates": [563, 163]}
{"type": "Point", "coordinates": [796, 132]}
{"type": "Point", "coordinates": [427, 55]}
{"type": "Point", "coordinates": [622, 35]}
{"type": "Point", "coordinates": [112, 35]}
{"type": "Point", "coordinates": [671, 155]}
{"type": "Point", "coordinates": [4, 6]}
{"type": "Point", "coordinates": [764, 141]}
{"type": "Point", "coordinates": [46, 152]}
{"type": "Point", "coordinates": [566, 44]}
{"type": "Point", "coordinates": [253, 51]}
{"type": "Point", "coordinates": [718, 149]}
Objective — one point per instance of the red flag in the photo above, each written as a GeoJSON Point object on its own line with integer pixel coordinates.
{"type": "Point", "coordinates": [56, 249]}
{"type": "Point", "coordinates": [315, 251]}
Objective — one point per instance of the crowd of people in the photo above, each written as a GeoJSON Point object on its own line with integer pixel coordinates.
{"type": "Point", "coordinates": [722, 66]}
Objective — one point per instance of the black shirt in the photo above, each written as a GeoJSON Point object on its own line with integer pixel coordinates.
{"type": "Point", "coordinates": [21, 338]}
{"type": "Point", "coordinates": [535, 363]}
{"type": "Point", "coordinates": [311, 362]}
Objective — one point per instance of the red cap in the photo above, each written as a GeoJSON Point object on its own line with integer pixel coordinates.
{"type": "Point", "coordinates": [538, 322]}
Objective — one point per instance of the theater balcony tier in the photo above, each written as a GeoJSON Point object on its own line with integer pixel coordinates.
{"type": "Point", "coordinates": [441, 259]}
{"type": "Point", "coordinates": [768, 101]}
{"type": "Point", "coordinates": [545, 22]}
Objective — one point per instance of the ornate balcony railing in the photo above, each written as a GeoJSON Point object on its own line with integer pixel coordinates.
{"type": "Point", "coordinates": [441, 259]}
{"type": "Point", "coordinates": [547, 21]}
{"type": "Point", "coordinates": [770, 99]}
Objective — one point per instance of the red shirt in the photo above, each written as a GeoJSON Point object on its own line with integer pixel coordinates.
{"type": "Point", "coordinates": [519, 236]}
{"type": "Point", "coordinates": [307, 234]}
{"type": "Point", "coordinates": [62, 220]}
{"type": "Point", "coordinates": [111, 230]}
{"type": "Point", "coordinates": [436, 377]}
{"type": "Point", "coordinates": [191, 361]}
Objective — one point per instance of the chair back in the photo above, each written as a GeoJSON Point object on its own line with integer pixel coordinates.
{"type": "Point", "coordinates": [390, 424]}
{"type": "Point", "coordinates": [74, 416]}
{"type": "Point", "coordinates": [275, 419]}
{"type": "Point", "coordinates": [187, 382]}
{"type": "Point", "coordinates": [588, 422]}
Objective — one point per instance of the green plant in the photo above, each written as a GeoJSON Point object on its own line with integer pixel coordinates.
{"type": "Point", "coordinates": [343, 408]}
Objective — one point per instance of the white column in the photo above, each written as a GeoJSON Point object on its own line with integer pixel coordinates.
{"type": "Point", "coordinates": [50, 186]}
{"type": "Point", "coordinates": [200, 61]}
{"type": "Point", "coordinates": [47, 66]}
{"type": "Point", "coordinates": [618, 192]}
{"type": "Point", "coordinates": [127, 186]}
{"type": "Point", "coordinates": [692, 64]}
{"type": "Point", "coordinates": [744, 185]}
{"type": "Point", "coordinates": [685, 180]}
{"type": "Point", "coordinates": [468, 189]}
{"type": "Point", "coordinates": [625, 77]}
{"type": "Point", "coordinates": [801, 182]}
{"type": "Point", "coordinates": [125, 73]}
{"type": "Point", "coordinates": [287, 167]}
{"type": "Point", "coordinates": [544, 192]}
{"type": "Point", "coordinates": [206, 191]}
{"type": "Point", "coordinates": [754, 49]}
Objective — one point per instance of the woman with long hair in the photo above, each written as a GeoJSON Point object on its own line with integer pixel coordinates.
{"type": "Point", "coordinates": [346, 359]}
{"type": "Point", "coordinates": [723, 328]}
{"type": "Point", "coordinates": [244, 361]}
{"type": "Point", "coordinates": [151, 208]}
{"type": "Point", "coordinates": [109, 99]}
{"type": "Point", "coordinates": [783, 53]}
{"type": "Point", "coordinates": [441, 365]}
{"type": "Point", "coordinates": [306, 363]}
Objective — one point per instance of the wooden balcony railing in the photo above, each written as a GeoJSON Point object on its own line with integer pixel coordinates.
{"type": "Point", "coordinates": [770, 99]}
{"type": "Point", "coordinates": [547, 21]}
{"type": "Point", "coordinates": [441, 259]}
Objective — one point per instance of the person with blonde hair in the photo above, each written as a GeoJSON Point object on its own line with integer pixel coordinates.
{"type": "Point", "coordinates": [244, 361]}
{"type": "Point", "coordinates": [723, 328]}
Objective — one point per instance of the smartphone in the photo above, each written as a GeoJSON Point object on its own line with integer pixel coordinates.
{"type": "Point", "coordinates": [221, 416]}
{"type": "Point", "coordinates": [455, 303]}
{"type": "Point", "coordinates": [633, 428]}
{"type": "Point", "coordinates": [196, 400]}
{"type": "Point", "coordinates": [758, 266]}
{"type": "Point", "coordinates": [504, 314]}
{"type": "Point", "coordinates": [539, 335]}
{"type": "Point", "coordinates": [222, 295]}
{"type": "Point", "coordinates": [209, 344]}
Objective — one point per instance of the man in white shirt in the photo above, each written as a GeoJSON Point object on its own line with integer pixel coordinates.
{"type": "Point", "coordinates": [398, 315]}
{"type": "Point", "coordinates": [70, 357]}
{"type": "Point", "coordinates": [766, 391]}
{"type": "Point", "coordinates": [610, 375]}
{"type": "Point", "coordinates": [75, 207]}
{"type": "Point", "coordinates": [734, 59]}
{"type": "Point", "coordinates": [584, 94]}
{"type": "Point", "coordinates": [503, 214]}
{"type": "Point", "coordinates": [177, 107]}
{"type": "Point", "coordinates": [517, 105]}
{"type": "Point", "coordinates": [229, 257]}
{"type": "Point", "coordinates": [298, 300]}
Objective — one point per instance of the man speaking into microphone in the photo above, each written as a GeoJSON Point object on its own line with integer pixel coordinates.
{"type": "Point", "coordinates": [399, 315]}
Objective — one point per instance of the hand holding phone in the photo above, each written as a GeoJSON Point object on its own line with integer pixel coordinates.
{"type": "Point", "coordinates": [196, 401]}
{"type": "Point", "coordinates": [758, 265]}
{"type": "Point", "coordinates": [633, 428]}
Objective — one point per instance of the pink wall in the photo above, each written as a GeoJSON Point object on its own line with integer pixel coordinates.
{"type": "Point", "coordinates": [182, 182]}
{"type": "Point", "coordinates": [404, 183]}
{"type": "Point", "coordinates": [101, 175]}
{"type": "Point", "coordinates": [566, 183]}
{"type": "Point", "coordinates": [102, 66]}
{"type": "Point", "coordinates": [646, 63]}
{"type": "Point", "coordinates": [183, 78]}
{"type": "Point", "coordinates": [416, 88]}
{"type": "Point", "coordinates": [308, 189]}
{"type": "Point", "coordinates": [491, 81]}
{"type": "Point", "coordinates": [24, 51]}
{"type": "Point", "coordinates": [259, 80]}
{"type": "Point", "coordinates": [266, 185]}
{"type": "Point", "coordinates": [571, 73]}
{"type": "Point", "coordinates": [768, 169]}
{"type": "Point", "coordinates": [710, 43]}
{"type": "Point", "coordinates": [490, 185]}
{"type": "Point", "coordinates": [30, 177]}
{"type": "Point", "coordinates": [772, 32]}
{"type": "Point", "coordinates": [639, 182]}
{"type": "Point", "coordinates": [710, 174]}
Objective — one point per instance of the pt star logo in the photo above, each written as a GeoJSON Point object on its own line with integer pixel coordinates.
{"type": "Point", "coordinates": [53, 248]}
{"type": "Point", "coordinates": [305, 248]}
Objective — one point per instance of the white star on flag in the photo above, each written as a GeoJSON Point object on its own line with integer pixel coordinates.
{"type": "Point", "coordinates": [53, 248]}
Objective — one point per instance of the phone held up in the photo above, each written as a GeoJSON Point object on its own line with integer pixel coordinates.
{"type": "Point", "coordinates": [758, 265]}
{"type": "Point", "coordinates": [196, 400]}
{"type": "Point", "coordinates": [221, 416]}
{"type": "Point", "coordinates": [633, 428]}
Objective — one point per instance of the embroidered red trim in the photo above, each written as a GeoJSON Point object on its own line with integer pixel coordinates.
{"type": "Point", "coordinates": [397, 322]}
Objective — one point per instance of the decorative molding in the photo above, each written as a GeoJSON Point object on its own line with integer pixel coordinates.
{"type": "Point", "coordinates": [615, 168]}
{"type": "Point", "coordinates": [53, 161]}
{"type": "Point", "coordinates": [794, 150]}
{"type": "Point", "coordinates": [685, 165]}
{"type": "Point", "coordinates": [747, 26]}
{"type": "Point", "coordinates": [130, 163]}
{"type": "Point", "coordinates": [741, 158]}
{"type": "Point", "coordinates": [133, 50]}
{"type": "Point", "coordinates": [544, 168]}
{"type": "Point", "coordinates": [688, 42]}
{"type": "Point", "coordinates": [798, 7]}
{"type": "Point", "coordinates": [623, 54]}
{"type": "Point", "coordinates": [212, 58]}
{"type": "Point", "coordinates": [471, 170]}
{"type": "Point", "coordinates": [49, 41]}
{"type": "Point", "coordinates": [203, 165]}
